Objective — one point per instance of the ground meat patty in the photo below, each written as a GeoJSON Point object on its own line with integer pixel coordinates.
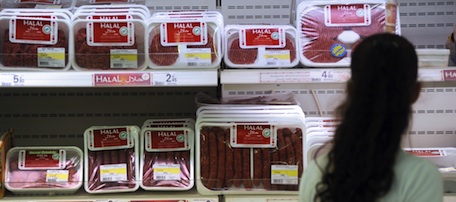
{"type": "Point", "coordinates": [237, 55]}
{"type": "Point", "coordinates": [313, 25]}
{"type": "Point", "coordinates": [162, 55]}
{"type": "Point", "coordinates": [319, 51]}
{"type": "Point", "coordinates": [94, 57]}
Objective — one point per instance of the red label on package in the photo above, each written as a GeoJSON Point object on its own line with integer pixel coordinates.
{"type": "Point", "coordinates": [190, 33]}
{"type": "Point", "coordinates": [347, 15]}
{"type": "Point", "coordinates": [110, 30]}
{"type": "Point", "coordinates": [262, 37]}
{"type": "Point", "coordinates": [110, 1]}
{"type": "Point", "coordinates": [40, 1]}
{"type": "Point", "coordinates": [253, 135]}
{"type": "Point", "coordinates": [166, 140]}
{"type": "Point", "coordinates": [33, 30]}
{"type": "Point", "coordinates": [41, 159]}
{"type": "Point", "coordinates": [121, 79]}
{"type": "Point", "coordinates": [449, 75]}
{"type": "Point", "coordinates": [427, 153]}
{"type": "Point", "coordinates": [110, 138]}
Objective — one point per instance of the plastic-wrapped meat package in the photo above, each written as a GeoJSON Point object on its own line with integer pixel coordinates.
{"type": "Point", "coordinates": [167, 158]}
{"type": "Point", "coordinates": [330, 30]}
{"type": "Point", "coordinates": [35, 50]}
{"type": "Point", "coordinates": [226, 166]}
{"type": "Point", "coordinates": [44, 170]}
{"type": "Point", "coordinates": [111, 159]}
{"type": "Point", "coordinates": [109, 42]}
{"type": "Point", "coordinates": [443, 157]}
{"type": "Point", "coordinates": [261, 46]}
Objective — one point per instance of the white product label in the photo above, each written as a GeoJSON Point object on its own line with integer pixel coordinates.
{"type": "Point", "coordinates": [167, 172]}
{"type": "Point", "coordinates": [277, 57]}
{"type": "Point", "coordinates": [57, 176]}
{"type": "Point", "coordinates": [51, 57]}
{"type": "Point", "coordinates": [124, 58]}
{"type": "Point", "coordinates": [198, 57]}
{"type": "Point", "coordinates": [113, 172]}
{"type": "Point", "coordinates": [284, 174]}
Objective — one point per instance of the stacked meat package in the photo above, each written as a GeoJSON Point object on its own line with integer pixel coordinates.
{"type": "Point", "coordinates": [167, 154]}
{"type": "Point", "coordinates": [44, 170]}
{"type": "Point", "coordinates": [109, 37]}
{"type": "Point", "coordinates": [331, 29]}
{"type": "Point", "coordinates": [261, 46]}
{"type": "Point", "coordinates": [35, 39]}
{"type": "Point", "coordinates": [320, 132]}
{"type": "Point", "coordinates": [59, 4]}
{"type": "Point", "coordinates": [443, 157]}
{"type": "Point", "coordinates": [111, 159]}
{"type": "Point", "coordinates": [185, 39]}
{"type": "Point", "coordinates": [249, 149]}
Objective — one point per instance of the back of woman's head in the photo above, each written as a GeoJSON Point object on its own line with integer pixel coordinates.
{"type": "Point", "coordinates": [374, 116]}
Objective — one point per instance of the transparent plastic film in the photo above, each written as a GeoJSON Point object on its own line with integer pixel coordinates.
{"type": "Point", "coordinates": [166, 169]}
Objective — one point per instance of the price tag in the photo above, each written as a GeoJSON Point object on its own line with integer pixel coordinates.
{"type": "Point", "coordinates": [198, 57]}
{"type": "Point", "coordinates": [203, 200]}
{"type": "Point", "coordinates": [324, 75]}
{"type": "Point", "coordinates": [284, 77]}
{"type": "Point", "coordinates": [167, 172]}
{"type": "Point", "coordinates": [57, 176]}
{"type": "Point", "coordinates": [284, 174]}
{"type": "Point", "coordinates": [124, 58]}
{"type": "Point", "coordinates": [113, 172]}
{"type": "Point", "coordinates": [277, 57]}
{"type": "Point", "coordinates": [51, 57]}
{"type": "Point", "coordinates": [165, 79]}
{"type": "Point", "coordinates": [11, 80]}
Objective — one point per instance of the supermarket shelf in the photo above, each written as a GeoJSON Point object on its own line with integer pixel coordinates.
{"type": "Point", "coordinates": [193, 77]}
{"type": "Point", "coordinates": [336, 75]}
{"type": "Point", "coordinates": [138, 196]}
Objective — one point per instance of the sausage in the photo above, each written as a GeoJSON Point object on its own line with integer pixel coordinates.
{"type": "Point", "coordinates": [107, 161]}
{"type": "Point", "coordinates": [131, 168]}
{"type": "Point", "coordinates": [291, 158]}
{"type": "Point", "coordinates": [296, 138]}
{"type": "Point", "coordinates": [275, 160]}
{"type": "Point", "coordinates": [237, 179]}
{"type": "Point", "coordinates": [246, 168]}
{"type": "Point", "coordinates": [229, 170]}
{"type": "Point", "coordinates": [221, 159]}
{"type": "Point", "coordinates": [258, 167]}
{"type": "Point", "coordinates": [266, 168]}
{"type": "Point", "coordinates": [123, 153]}
{"type": "Point", "coordinates": [147, 167]}
{"type": "Point", "coordinates": [96, 180]}
{"type": "Point", "coordinates": [204, 155]}
{"type": "Point", "coordinates": [282, 151]}
{"type": "Point", "coordinates": [212, 160]}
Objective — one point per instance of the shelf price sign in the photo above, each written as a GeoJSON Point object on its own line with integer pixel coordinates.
{"type": "Point", "coordinates": [165, 79]}
{"type": "Point", "coordinates": [328, 75]}
{"type": "Point", "coordinates": [11, 80]}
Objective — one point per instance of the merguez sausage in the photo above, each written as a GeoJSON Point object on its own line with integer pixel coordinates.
{"type": "Point", "coordinates": [212, 160]}
{"type": "Point", "coordinates": [258, 167]}
{"type": "Point", "coordinates": [229, 174]}
{"type": "Point", "coordinates": [204, 155]}
{"type": "Point", "coordinates": [221, 159]}
{"type": "Point", "coordinates": [246, 168]}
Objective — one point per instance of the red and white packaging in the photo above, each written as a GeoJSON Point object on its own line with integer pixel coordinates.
{"type": "Point", "coordinates": [261, 46]}
{"type": "Point", "coordinates": [35, 40]}
{"type": "Point", "coordinates": [111, 159]}
{"type": "Point", "coordinates": [249, 153]}
{"type": "Point", "coordinates": [185, 40]}
{"type": "Point", "coordinates": [40, 4]}
{"type": "Point", "coordinates": [81, 3]}
{"type": "Point", "coordinates": [109, 41]}
{"type": "Point", "coordinates": [330, 29]}
{"type": "Point", "coordinates": [44, 170]}
{"type": "Point", "coordinates": [167, 158]}
{"type": "Point", "coordinates": [443, 157]}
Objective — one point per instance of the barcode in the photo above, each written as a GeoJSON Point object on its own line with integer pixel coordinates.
{"type": "Point", "coordinates": [316, 79]}
{"type": "Point", "coordinates": [160, 177]}
{"type": "Point", "coordinates": [117, 65]}
{"type": "Point", "coordinates": [277, 182]}
{"type": "Point", "coordinates": [192, 64]}
{"type": "Point", "coordinates": [106, 179]}
{"type": "Point", "coordinates": [6, 84]}
{"type": "Point", "coordinates": [44, 63]}
{"type": "Point", "coordinates": [271, 63]}
{"type": "Point", "coordinates": [159, 83]}
{"type": "Point", "coordinates": [51, 180]}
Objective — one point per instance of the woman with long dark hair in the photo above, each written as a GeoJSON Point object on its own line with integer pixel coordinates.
{"type": "Point", "coordinates": [365, 162]}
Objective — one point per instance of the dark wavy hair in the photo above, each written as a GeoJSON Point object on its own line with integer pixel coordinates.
{"type": "Point", "coordinates": [374, 116]}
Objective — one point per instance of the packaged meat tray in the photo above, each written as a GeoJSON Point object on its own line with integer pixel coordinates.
{"type": "Point", "coordinates": [109, 41]}
{"type": "Point", "coordinates": [111, 159]}
{"type": "Point", "coordinates": [81, 3]}
{"type": "Point", "coordinates": [261, 46]}
{"type": "Point", "coordinates": [35, 41]}
{"type": "Point", "coordinates": [330, 30]}
{"type": "Point", "coordinates": [167, 158]}
{"type": "Point", "coordinates": [185, 40]}
{"type": "Point", "coordinates": [44, 170]}
{"type": "Point", "coordinates": [57, 4]}
{"type": "Point", "coordinates": [444, 157]}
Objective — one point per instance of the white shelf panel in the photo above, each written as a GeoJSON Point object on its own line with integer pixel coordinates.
{"type": "Point", "coordinates": [262, 198]}
{"type": "Point", "coordinates": [139, 196]}
{"type": "Point", "coordinates": [150, 78]}
{"type": "Point", "coordinates": [289, 76]}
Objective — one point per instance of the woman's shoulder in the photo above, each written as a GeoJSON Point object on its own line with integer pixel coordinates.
{"type": "Point", "coordinates": [408, 162]}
